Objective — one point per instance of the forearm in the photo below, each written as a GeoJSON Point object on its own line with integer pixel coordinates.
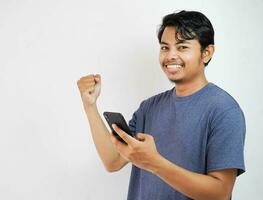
{"type": "Point", "coordinates": [101, 137]}
{"type": "Point", "coordinates": [194, 185]}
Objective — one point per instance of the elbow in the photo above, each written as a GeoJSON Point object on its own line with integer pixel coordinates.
{"type": "Point", "coordinates": [225, 195]}
{"type": "Point", "coordinates": [114, 166]}
{"type": "Point", "coordinates": [111, 168]}
{"type": "Point", "coordinates": [221, 194]}
{"type": "Point", "coordinates": [218, 197]}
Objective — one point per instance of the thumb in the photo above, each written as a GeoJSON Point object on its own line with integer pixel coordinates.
{"type": "Point", "coordinates": [140, 136]}
{"type": "Point", "coordinates": [97, 78]}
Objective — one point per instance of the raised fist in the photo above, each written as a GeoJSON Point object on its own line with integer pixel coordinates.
{"type": "Point", "coordinates": [89, 87]}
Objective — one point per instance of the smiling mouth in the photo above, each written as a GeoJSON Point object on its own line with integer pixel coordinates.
{"type": "Point", "coordinates": [173, 66]}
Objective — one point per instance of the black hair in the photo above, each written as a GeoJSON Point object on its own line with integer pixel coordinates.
{"type": "Point", "coordinates": [189, 25]}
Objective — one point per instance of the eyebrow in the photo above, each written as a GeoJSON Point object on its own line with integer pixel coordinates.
{"type": "Point", "coordinates": [178, 42]}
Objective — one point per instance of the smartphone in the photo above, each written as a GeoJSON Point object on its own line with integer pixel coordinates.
{"type": "Point", "coordinates": [118, 119]}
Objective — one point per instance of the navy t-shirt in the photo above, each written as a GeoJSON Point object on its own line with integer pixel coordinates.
{"type": "Point", "coordinates": [202, 132]}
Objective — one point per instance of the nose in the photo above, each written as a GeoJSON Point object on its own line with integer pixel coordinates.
{"type": "Point", "coordinates": [172, 54]}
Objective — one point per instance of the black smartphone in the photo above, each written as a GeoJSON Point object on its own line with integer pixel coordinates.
{"type": "Point", "coordinates": [118, 119]}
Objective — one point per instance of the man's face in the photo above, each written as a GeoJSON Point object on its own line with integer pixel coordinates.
{"type": "Point", "coordinates": [181, 60]}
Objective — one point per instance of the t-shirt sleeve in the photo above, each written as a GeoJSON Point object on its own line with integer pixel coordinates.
{"type": "Point", "coordinates": [136, 123]}
{"type": "Point", "coordinates": [225, 148]}
{"type": "Point", "coordinates": [132, 122]}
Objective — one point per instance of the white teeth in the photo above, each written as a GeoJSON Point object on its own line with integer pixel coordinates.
{"type": "Point", "coordinates": [173, 66]}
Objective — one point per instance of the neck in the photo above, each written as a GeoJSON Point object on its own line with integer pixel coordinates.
{"type": "Point", "coordinates": [186, 89]}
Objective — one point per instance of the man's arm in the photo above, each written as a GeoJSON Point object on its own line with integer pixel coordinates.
{"type": "Point", "coordinates": [142, 152]}
{"type": "Point", "coordinates": [89, 87]}
{"type": "Point", "coordinates": [217, 185]}
{"type": "Point", "coordinates": [101, 137]}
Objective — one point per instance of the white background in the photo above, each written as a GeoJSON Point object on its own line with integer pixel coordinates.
{"type": "Point", "coordinates": [46, 149]}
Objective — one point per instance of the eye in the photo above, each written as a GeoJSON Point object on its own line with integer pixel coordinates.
{"type": "Point", "coordinates": [163, 48]}
{"type": "Point", "coordinates": [182, 47]}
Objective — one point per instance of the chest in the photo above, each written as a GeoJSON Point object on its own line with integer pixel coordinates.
{"type": "Point", "coordinates": [180, 133]}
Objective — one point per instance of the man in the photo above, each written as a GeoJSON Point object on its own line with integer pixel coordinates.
{"type": "Point", "coordinates": [189, 140]}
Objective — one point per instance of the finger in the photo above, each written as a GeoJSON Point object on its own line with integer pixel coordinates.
{"type": "Point", "coordinates": [141, 136]}
{"type": "Point", "coordinates": [86, 81]}
{"type": "Point", "coordinates": [90, 76]}
{"type": "Point", "coordinates": [127, 138]}
{"type": "Point", "coordinates": [97, 78]}
{"type": "Point", "coordinates": [113, 139]}
{"type": "Point", "coordinates": [90, 79]}
{"type": "Point", "coordinates": [120, 146]}
{"type": "Point", "coordinates": [86, 89]}
{"type": "Point", "coordinates": [87, 84]}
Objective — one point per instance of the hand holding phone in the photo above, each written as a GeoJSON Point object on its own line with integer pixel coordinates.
{"type": "Point", "coordinates": [118, 119]}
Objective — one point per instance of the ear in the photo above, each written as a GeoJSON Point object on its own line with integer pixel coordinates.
{"type": "Point", "coordinates": [208, 53]}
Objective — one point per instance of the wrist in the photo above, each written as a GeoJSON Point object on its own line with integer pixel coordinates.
{"type": "Point", "coordinates": [157, 164]}
{"type": "Point", "coordinates": [90, 108]}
